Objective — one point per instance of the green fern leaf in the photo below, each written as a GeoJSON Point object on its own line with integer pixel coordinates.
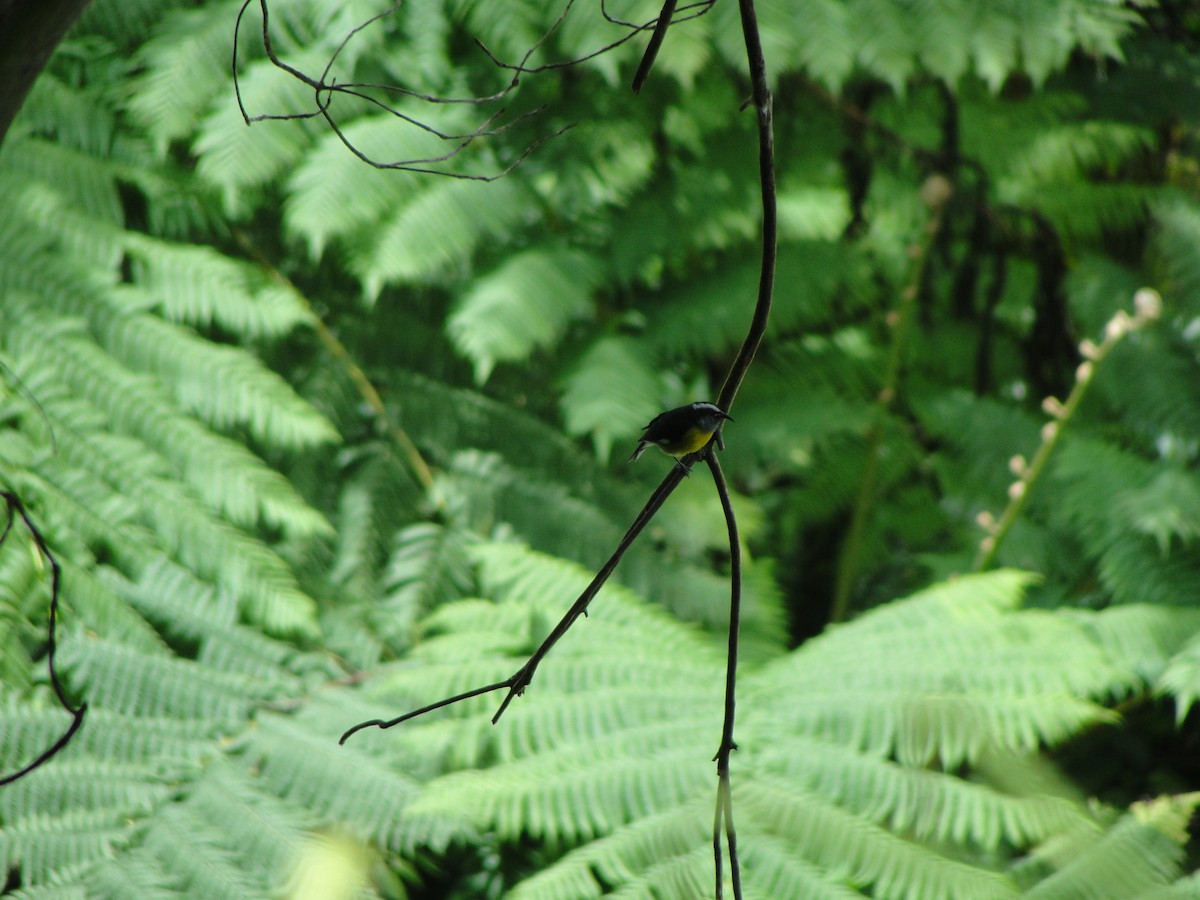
{"type": "Point", "coordinates": [524, 305]}
{"type": "Point", "coordinates": [49, 847]}
{"type": "Point", "coordinates": [201, 287]}
{"type": "Point", "coordinates": [333, 196]}
{"type": "Point", "coordinates": [610, 394]}
{"type": "Point", "coordinates": [432, 238]}
{"type": "Point", "coordinates": [178, 80]}
{"type": "Point", "coordinates": [235, 159]}
{"type": "Point", "coordinates": [356, 789]}
{"type": "Point", "coordinates": [1141, 852]}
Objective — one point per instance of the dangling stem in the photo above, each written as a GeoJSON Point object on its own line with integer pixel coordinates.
{"type": "Point", "coordinates": [724, 811]}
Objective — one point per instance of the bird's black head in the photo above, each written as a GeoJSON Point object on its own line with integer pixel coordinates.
{"type": "Point", "coordinates": [709, 416]}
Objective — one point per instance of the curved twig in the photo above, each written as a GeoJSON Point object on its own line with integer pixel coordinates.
{"type": "Point", "coordinates": [326, 87]}
{"type": "Point", "coordinates": [519, 680]}
{"type": "Point", "coordinates": [724, 811]}
{"type": "Point", "coordinates": [521, 69]}
{"type": "Point", "coordinates": [16, 508]}
{"type": "Point", "coordinates": [761, 98]}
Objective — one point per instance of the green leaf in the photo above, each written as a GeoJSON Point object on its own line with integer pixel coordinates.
{"type": "Point", "coordinates": [610, 394]}
{"type": "Point", "coordinates": [524, 305]}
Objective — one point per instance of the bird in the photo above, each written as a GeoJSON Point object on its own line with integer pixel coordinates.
{"type": "Point", "coordinates": [686, 429]}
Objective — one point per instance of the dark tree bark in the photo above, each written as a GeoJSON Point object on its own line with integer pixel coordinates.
{"type": "Point", "coordinates": [29, 32]}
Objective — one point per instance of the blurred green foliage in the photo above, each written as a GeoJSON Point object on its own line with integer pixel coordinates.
{"type": "Point", "coordinates": [317, 442]}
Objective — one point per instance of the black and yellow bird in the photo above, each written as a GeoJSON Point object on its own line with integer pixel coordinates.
{"type": "Point", "coordinates": [678, 432]}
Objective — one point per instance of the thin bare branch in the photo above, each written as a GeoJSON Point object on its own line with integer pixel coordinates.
{"type": "Point", "coordinates": [440, 704]}
{"type": "Point", "coordinates": [326, 88]}
{"type": "Point", "coordinates": [16, 508]}
{"type": "Point", "coordinates": [657, 36]}
{"type": "Point", "coordinates": [28, 394]}
{"type": "Point", "coordinates": [728, 744]}
{"type": "Point", "coordinates": [761, 98]}
{"type": "Point", "coordinates": [520, 68]}
{"type": "Point", "coordinates": [521, 679]}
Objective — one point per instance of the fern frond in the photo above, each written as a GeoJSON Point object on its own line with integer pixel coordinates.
{"type": "Point", "coordinates": [484, 423]}
{"type": "Point", "coordinates": [1175, 242]}
{"type": "Point", "coordinates": [193, 850]}
{"type": "Point", "coordinates": [432, 238]}
{"type": "Point", "coordinates": [127, 681]}
{"type": "Point", "coordinates": [1075, 150]}
{"type": "Point", "coordinates": [1141, 852]}
{"type": "Point", "coordinates": [611, 160]}
{"type": "Point", "coordinates": [1158, 406]}
{"type": "Point", "coordinates": [357, 790]}
{"type": "Point", "coordinates": [928, 805]}
{"type": "Point", "coordinates": [224, 386]}
{"type": "Point", "coordinates": [696, 316]}
{"type": "Point", "coordinates": [131, 876]}
{"type": "Point", "coordinates": [512, 573]}
{"type": "Point", "coordinates": [846, 846]}
{"type": "Point", "coordinates": [74, 115]}
{"type": "Point", "coordinates": [1181, 679]}
{"type": "Point", "coordinates": [429, 566]}
{"type": "Point", "coordinates": [235, 159]}
{"type": "Point", "coordinates": [1095, 476]}
{"type": "Point", "coordinates": [127, 23]}
{"type": "Point", "coordinates": [524, 305]}
{"type": "Point", "coordinates": [195, 613]}
{"type": "Point", "coordinates": [109, 736]}
{"type": "Point", "coordinates": [921, 712]}
{"type": "Point", "coordinates": [261, 580]}
{"type": "Point", "coordinates": [264, 833]}
{"type": "Point", "coordinates": [481, 491]}
{"type": "Point", "coordinates": [693, 592]}
{"type": "Point", "coordinates": [980, 436]}
{"type": "Point", "coordinates": [559, 797]}
{"type": "Point", "coordinates": [826, 44]}
{"type": "Point", "coordinates": [1086, 211]}
{"type": "Point", "coordinates": [224, 472]}
{"type": "Point", "coordinates": [178, 79]}
{"type": "Point", "coordinates": [771, 867]}
{"type": "Point", "coordinates": [1144, 638]}
{"type": "Point", "coordinates": [611, 392]}
{"type": "Point", "coordinates": [425, 57]}
{"type": "Point", "coordinates": [44, 846]}
{"type": "Point", "coordinates": [85, 784]}
{"type": "Point", "coordinates": [89, 594]}
{"type": "Point", "coordinates": [197, 286]}
{"type": "Point", "coordinates": [681, 876]}
{"type": "Point", "coordinates": [88, 183]}
{"type": "Point", "coordinates": [332, 196]}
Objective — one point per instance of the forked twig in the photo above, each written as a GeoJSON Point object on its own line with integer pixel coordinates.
{"type": "Point", "coordinates": [16, 508]}
{"type": "Point", "coordinates": [326, 87]}
{"type": "Point", "coordinates": [521, 679]}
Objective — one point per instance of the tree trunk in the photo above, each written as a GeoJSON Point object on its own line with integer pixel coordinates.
{"type": "Point", "coordinates": [29, 32]}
